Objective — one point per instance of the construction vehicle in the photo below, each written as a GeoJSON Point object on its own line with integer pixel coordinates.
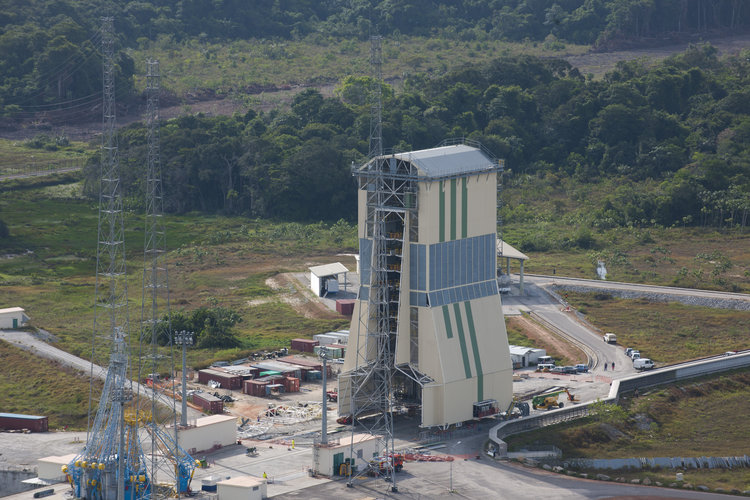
{"type": "Point", "coordinates": [549, 400]}
{"type": "Point", "coordinates": [384, 464]}
{"type": "Point", "coordinates": [516, 409]}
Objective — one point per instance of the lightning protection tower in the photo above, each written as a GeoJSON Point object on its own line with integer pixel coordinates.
{"type": "Point", "coordinates": [111, 464]}
{"type": "Point", "coordinates": [368, 385]}
{"type": "Point", "coordinates": [169, 465]}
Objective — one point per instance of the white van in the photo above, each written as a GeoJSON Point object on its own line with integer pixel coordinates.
{"type": "Point", "coordinates": [545, 360]}
{"type": "Point", "coordinates": [643, 364]}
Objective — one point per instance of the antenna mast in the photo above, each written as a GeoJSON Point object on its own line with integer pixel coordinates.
{"type": "Point", "coordinates": [167, 458]}
{"type": "Point", "coordinates": [112, 461]}
{"type": "Point", "coordinates": [376, 97]}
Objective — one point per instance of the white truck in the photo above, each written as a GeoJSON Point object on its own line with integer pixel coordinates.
{"type": "Point", "coordinates": [610, 338]}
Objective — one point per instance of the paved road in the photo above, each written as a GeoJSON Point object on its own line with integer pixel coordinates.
{"type": "Point", "coordinates": [30, 343]}
{"type": "Point", "coordinates": [542, 305]}
{"type": "Point", "coordinates": [545, 281]}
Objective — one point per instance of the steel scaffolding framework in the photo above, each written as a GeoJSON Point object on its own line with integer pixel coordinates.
{"type": "Point", "coordinates": [376, 97]}
{"type": "Point", "coordinates": [111, 464]}
{"type": "Point", "coordinates": [167, 458]}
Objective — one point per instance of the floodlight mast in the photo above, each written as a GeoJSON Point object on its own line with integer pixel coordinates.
{"type": "Point", "coordinates": [324, 356]}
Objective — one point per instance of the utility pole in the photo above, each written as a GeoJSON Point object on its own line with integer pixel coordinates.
{"type": "Point", "coordinates": [184, 339]}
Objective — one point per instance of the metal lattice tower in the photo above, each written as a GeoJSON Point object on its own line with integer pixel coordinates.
{"type": "Point", "coordinates": [111, 464]}
{"type": "Point", "coordinates": [170, 466]}
{"type": "Point", "coordinates": [371, 382]}
{"type": "Point", "coordinates": [376, 97]}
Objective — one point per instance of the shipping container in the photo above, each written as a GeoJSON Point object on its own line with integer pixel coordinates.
{"type": "Point", "coordinates": [227, 380]}
{"type": "Point", "coordinates": [274, 389]}
{"type": "Point", "coordinates": [255, 387]}
{"type": "Point", "coordinates": [209, 402]}
{"type": "Point", "coordinates": [333, 352]}
{"type": "Point", "coordinates": [286, 369]}
{"type": "Point", "coordinates": [341, 337]}
{"type": "Point", "coordinates": [345, 306]}
{"type": "Point", "coordinates": [306, 363]}
{"type": "Point", "coordinates": [245, 372]}
{"type": "Point", "coordinates": [16, 421]}
{"type": "Point", "coordinates": [291, 384]}
{"type": "Point", "coordinates": [304, 345]}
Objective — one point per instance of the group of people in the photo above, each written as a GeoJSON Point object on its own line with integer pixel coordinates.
{"type": "Point", "coordinates": [606, 363]}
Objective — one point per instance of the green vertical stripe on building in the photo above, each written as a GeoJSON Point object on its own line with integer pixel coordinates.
{"type": "Point", "coordinates": [475, 348]}
{"type": "Point", "coordinates": [441, 211]}
{"type": "Point", "coordinates": [464, 208]}
{"type": "Point", "coordinates": [453, 209]}
{"type": "Point", "coordinates": [462, 340]}
{"type": "Point", "coordinates": [447, 318]}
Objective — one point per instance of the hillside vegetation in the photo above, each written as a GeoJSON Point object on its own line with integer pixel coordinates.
{"type": "Point", "coordinates": [31, 385]}
{"type": "Point", "coordinates": [689, 419]}
{"type": "Point", "coordinates": [663, 145]}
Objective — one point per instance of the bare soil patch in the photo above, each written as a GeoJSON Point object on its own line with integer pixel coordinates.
{"type": "Point", "coordinates": [544, 339]}
{"type": "Point", "coordinates": [292, 293]}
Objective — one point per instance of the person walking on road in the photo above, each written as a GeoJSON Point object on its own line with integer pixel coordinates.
{"type": "Point", "coordinates": [613, 366]}
{"type": "Point", "coordinates": [605, 367]}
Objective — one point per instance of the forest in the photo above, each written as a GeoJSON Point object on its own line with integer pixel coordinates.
{"type": "Point", "coordinates": [676, 136]}
{"type": "Point", "coordinates": [673, 136]}
{"type": "Point", "coordinates": [47, 53]}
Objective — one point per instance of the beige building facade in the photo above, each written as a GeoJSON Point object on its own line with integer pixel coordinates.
{"type": "Point", "coordinates": [449, 347]}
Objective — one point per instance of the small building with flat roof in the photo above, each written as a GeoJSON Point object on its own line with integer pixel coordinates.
{"type": "Point", "coordinates": [242, 488]}
{"type": "Point", "coordinates": [337, 452]}
{"type": "Point", "coordinates": [325, 279]}
{"type": "Point", "coordinates": [523, 356]}
{"type": "Point", "coordinates": [209, 433]}
{"type": "Point", "coordinates": [12, 317]}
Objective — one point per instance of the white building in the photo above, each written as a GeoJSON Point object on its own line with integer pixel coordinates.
{"type": "Point", "coordinates": [209, 433]}
{"type": "Point", "coordinates": [325, 279]}
{"type": "Point", "coordinates": [327, 459]}
{"type": "Point", "coordinates": [12, 317]}
{"type": "Point", "coordinates": [52, 468]}
{"type": "Point", "coordinates": [428, 255]}
{"type": "Point", "coordinates": [525, 356]}
{"type": "Point", "coordinates": [242, 488]}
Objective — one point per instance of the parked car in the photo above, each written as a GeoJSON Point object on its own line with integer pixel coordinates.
{"type": "Point", "coordinates": [635, 354]}
{"type": "Point", "coordinates": [558, 369]}
{"type": "Point", "coordinates": [628, 350]}
{"type": "Point", "coordinates": [582, 368]}
{"type": "Point", "coordinates": [570, 369]}
{"type": "Point", "coordinates": [643, 364]}
{"type": "Point", "coordinates": [545, 367]}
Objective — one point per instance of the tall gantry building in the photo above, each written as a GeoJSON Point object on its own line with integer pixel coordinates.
{"type": "Point", "coordinates": [428, 327]}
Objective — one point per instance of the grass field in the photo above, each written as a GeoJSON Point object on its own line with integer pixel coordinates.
{"type": "Point", "coordinates": [550, 219]}
{"type": "Point", "coordinates": [48, 267]}
{"type": "Point", "coordinates": [36, 386]}
{"type": "Point", "coordinates": [232, 69]}
{"type": "Point", "coordinates": [21, 156]}
{"type": "Point", "coordinates": [666, 332]}
{"type": "Point", "coordinates": [704, 417]}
